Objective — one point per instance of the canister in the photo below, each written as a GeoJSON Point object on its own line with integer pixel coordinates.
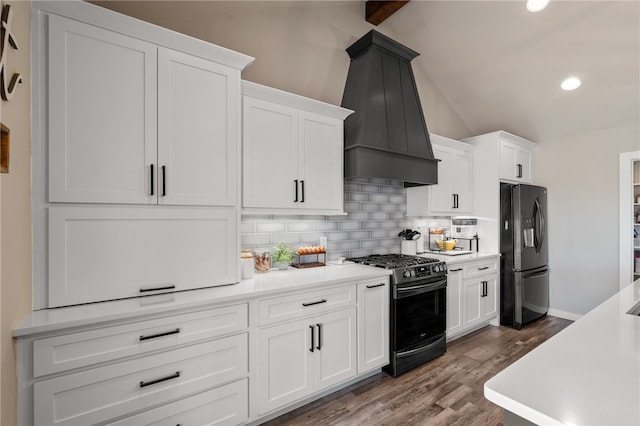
{"type": "Point", "coordinates": [246, 265]}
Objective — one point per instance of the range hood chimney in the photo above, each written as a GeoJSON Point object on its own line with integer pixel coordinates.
{"type": "Point", "coordinates": [386, 137]}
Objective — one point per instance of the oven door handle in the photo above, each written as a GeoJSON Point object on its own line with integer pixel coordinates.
{"type": "Point", "coordinates": [401, 292]}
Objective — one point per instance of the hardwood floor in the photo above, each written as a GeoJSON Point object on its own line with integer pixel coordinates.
{"type": "Point", "coordinates": [445, 391]}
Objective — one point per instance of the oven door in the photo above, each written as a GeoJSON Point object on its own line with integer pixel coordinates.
{"type": "Point", "coordinates": [418, 313]}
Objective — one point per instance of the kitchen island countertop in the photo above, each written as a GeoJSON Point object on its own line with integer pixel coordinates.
{"type": "Point", "coordinates": [588, 374]}
{"type": "Point", "coordinates": [267, 284]}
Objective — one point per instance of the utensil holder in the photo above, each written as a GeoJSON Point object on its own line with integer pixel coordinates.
{"type": "Point", "coordinates": [408, 247]}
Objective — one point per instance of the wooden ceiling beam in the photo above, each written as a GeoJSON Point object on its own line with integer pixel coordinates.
{"type": "Point", "coordinates": [378, 11]}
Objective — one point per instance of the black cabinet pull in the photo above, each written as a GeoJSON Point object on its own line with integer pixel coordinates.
{"type": "Point", "coordinates": [519, 166]}
{"type": "Point", "coordinates": [295, 183]}
{"type": "Point", "coordinates": [455, 270]}
{"type": "Point", "coordinates": [164, 181]}
{"type": "Point", "coordinates": [168, 287]}
{"type": "Point", "coordinates": [302, 185]}
{"type": "Point", "coordinates": [162, 379]}
{"type": "Point", "coordinates": [453, 201]}
{"type": "Point", "coordinates": [484, 288]}
{"type": "Point", "coordinates": [319, 336]}
{"type": "Point", "coordinates": [312, 348]}
{"type": "Point", "coordinates": [152, 183]}
{"type": "Point", "coordinates": [315, 303]}
{"type": "Point", "coordinates": [375, 285]}
{"type": "Point", "coordinates": [155, 336]}
{"type": "Point", "coordinates": [483, 268]}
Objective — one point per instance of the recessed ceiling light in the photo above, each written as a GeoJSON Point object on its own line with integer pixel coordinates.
{"type": "Point", "coordinates": [536, 5]}
{"type": "Point", "coordinates": [571, 83]}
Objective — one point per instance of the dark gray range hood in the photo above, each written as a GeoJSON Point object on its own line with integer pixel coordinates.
{"type": "Point", "coordinates": [386, 137]}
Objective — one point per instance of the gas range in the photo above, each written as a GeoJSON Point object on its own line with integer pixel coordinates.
{"type": "Point", "coordinates": [405, 268]}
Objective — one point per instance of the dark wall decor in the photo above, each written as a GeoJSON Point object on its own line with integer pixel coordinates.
{"type": "Point", "coordinates": [6, 40]}
{"type": "Point", "coordinates": [4, 149]}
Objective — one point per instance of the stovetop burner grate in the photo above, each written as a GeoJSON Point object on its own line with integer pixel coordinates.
{"type": "Point", "coordinates": [392, 261]}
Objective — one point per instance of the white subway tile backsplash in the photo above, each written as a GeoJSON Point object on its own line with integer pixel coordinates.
{"type": "Point", "coordinates": [359, 235]}
{"type": "Point", "coordinates": [376, 214]}
{"type": "Point", "coordinates": [253, 240]}
{"type": "Point", "coordinates": [374, 189]}
{"type": "Point", "coordinates": [349, 225]}
{"type": "Point", "coordinates": [359, 196]}
{"type": "Point", "coordinates": [270, 227]}
{"type": "Point", "coordinates": [325, 226]}
{"type": "Point", "coordinates": [299, 226]}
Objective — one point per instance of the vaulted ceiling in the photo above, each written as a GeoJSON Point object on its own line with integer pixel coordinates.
{"type": "Point", "coordinates": [498, 65]}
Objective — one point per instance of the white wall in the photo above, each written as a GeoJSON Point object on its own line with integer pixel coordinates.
{"type": "Point", "coordinates": [581, 174]}
{"type": "Point", "coordinates": [299, 46]}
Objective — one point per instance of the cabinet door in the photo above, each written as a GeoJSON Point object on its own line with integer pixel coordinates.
{"type": "Point", "coordinates": [490, 308]}
{"type": "Point", "coordinates": [463, 183]}
{"type": "Point", "coordinates": [270, 155]}
{"type": "Point", "coordinates": [373, 325]}
{"type": "Point", "coordinates": [441, 195]}
{"type": "Point", "coordinates": [104, 254]}
{"type": "Point", "coordinates": [320, 162]}
{"type": "Point", "coordinates": [507, 161]}
{"type": "Point", "coordinates": [285, 364]}
{"type": "Point", "coordinates": [473, 303]}
{"type": "Point", "coordinates": [454, 300]}
{"type": "Point", "coordinates": [198, 112]}
{"type": "Point", "coordinates": [335, 348]}
{"type": "Point", "coordinates": [523, 164]}
{"type": "Point", "coordinates": [102, 115]}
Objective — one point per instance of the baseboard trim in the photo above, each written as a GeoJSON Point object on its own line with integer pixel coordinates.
{"type": "Point", "coordinates": [564, 314]}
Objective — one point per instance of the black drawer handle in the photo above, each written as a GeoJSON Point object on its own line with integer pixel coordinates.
{"type": "Point", "coordinates": [375, 285]}
{"type": "Point", "coordinates": [455, 270]}
{"type": "Point", "coordinates": [315, 303]}
{"type": "Point", "coordinates": [483, 268]}
{"type": "Point", "coordinates": [155, 336]}
{"type": "Point", "coordinates": [162, 379]}
{"type": "Point", "coordinates": [168, 287]}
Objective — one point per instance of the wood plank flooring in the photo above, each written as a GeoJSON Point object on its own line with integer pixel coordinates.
{"type": "Point", "coordinates": [445, 391]}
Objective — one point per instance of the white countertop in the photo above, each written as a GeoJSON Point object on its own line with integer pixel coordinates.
{"type": "Point", "coordinates": [262, 285]}
{"type": "Point", "coordinates": [460, 257]}
{"type": "Point", "coordinates": [588, 374]}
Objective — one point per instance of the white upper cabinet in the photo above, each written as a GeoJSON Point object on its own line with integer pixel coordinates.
{"type": "Point", "coordinates": [453, 194]}
{"type": "Point", "coordinates": [102, 114]}
{"type": "Point", "coordinates": [292, 158]}
{"type": "Point", "coordinates": [134, 123]}
{"type": "Point", "coordinates": [515, 162]}
{"type": "Point", "coordinates": [198, 101]}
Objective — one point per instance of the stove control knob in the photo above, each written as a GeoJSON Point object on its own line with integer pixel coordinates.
{"type": "Point", "coordinates": [407, 274]}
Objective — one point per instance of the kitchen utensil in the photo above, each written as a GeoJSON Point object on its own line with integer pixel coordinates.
{"type": "Point", "coordinates": [408, 247]}
{"type": "Point", "coordinates": [409, 234]}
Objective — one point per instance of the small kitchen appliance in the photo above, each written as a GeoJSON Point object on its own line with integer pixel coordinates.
{"type": "Point", "coordinates": [418, 316]}
{"type": "Point", "coordinates": [464, 227]}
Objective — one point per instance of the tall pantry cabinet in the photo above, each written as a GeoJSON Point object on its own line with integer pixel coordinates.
{"type": "Point", "coordinates": [136, 158]}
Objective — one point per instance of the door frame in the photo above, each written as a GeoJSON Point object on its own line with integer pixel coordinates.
{"type": "Point", "coordinates": [625, 202]}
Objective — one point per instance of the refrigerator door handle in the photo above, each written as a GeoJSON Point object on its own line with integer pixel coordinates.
{"type": "Point", "coordinates": [539, 225]}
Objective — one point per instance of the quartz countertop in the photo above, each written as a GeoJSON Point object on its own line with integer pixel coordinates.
{"type": "Point", "coordinates": [588, 374]}
{"type": "Point", "coordinates": [451, 260]}
{"type": "Point", "coordinates": [266, 284]}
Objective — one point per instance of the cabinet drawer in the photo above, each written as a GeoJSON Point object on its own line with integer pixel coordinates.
{"type": "Point", "coordinates": [481, 267]}
{"type": "Point", "coordinates": [304, 304]}
{"type": "Point", "coordinates": [226, 405]}
{"type": "Point", "coordinates": [112, 391]}
{"type": "Point", "coordinates": [60, 353]}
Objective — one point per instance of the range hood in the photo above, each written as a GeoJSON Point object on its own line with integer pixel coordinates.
{"type": "Point", "coordinates": [386, 137]}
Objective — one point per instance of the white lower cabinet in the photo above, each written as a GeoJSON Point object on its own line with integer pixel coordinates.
{"type": "Point", "coordinates": [472, 295]}
{"type": "Point", "coordinates": [226, 405]}
{"type": "Point", "coordinates": [298, 358]}
{"type": "Point", "coordinates": [373, 325]}
{"type": "Point", "coordinates": [187, 368]}
{"type": "Point", "coordinates": [454, 300]}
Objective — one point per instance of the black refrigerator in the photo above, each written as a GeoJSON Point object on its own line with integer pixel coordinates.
{"type": "Point", "coordinates": [524, 273]}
